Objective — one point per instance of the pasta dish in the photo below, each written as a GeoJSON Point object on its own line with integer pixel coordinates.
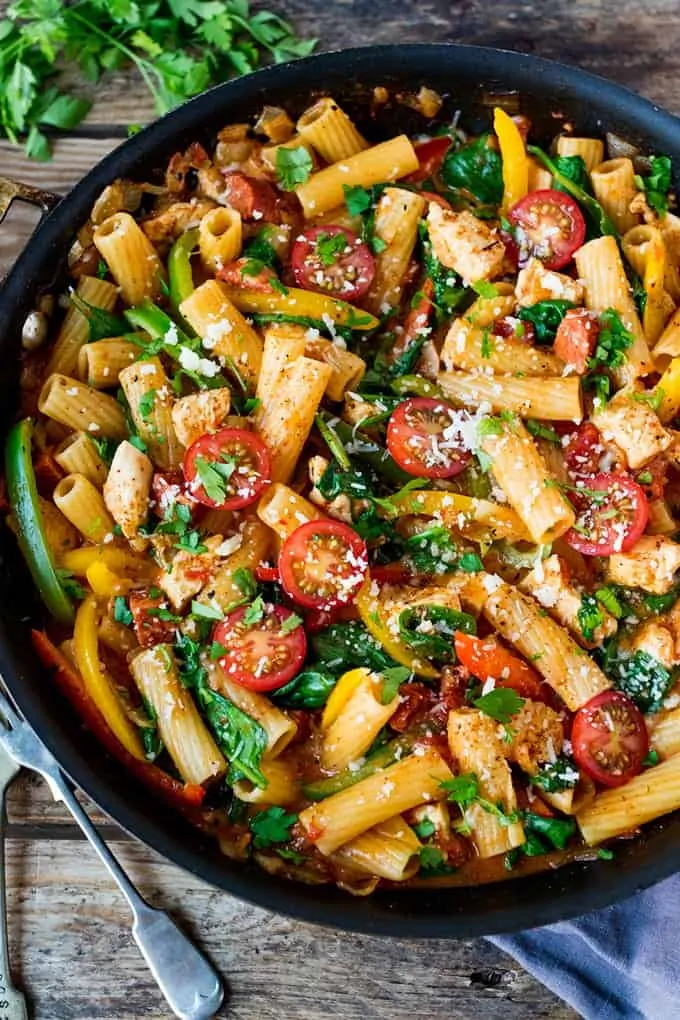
{"type": "Point", "coordinates": [347, 474]}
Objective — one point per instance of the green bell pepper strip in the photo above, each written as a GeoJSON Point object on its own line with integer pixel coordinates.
{"type": "Point", "coordinates": [416, 384]}
{"type": "Point", "coordinates": [23, 497]}
{"type": "Point", "coordinates": [157, 323]}
{"type": "Point", "coordinates": [180, 276]}
{"type": "Point", "coordinates": [387, 755]}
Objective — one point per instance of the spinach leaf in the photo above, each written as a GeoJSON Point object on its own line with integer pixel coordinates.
{"type": "Point", "coordinates": [449, 292]}
{"type": "Point", "coordinates": [344, 646]}
{"type": "Point", "coordinates": [657, 183]}
{"type": "Point", "coordinates": [645, 680]}
{"type": "Point", "coordinates": [575, 170]}
{"type": "Point", "coordinates": [430, 630]}
{"type": "Point", "coordinates": [271, 826]}
{"type": "Point", "coordinates": [432, 551]}
{"type": "Point", "coordinates": [100, 323]}
{"type": "Point", "coordinates": [557, 831]}
{"type": "Point", "coordinates": [309, 689]}
{"type": "Point", "coordinates": [240, 738]}
{"type": "Point", "coordinates": [358, 482]}
{"type": "Point", "coordinates": [589, 616]}
{"type": "Point", "coordinates": [475, 170]}
{"type": "Point", "coordinates": [545, 317]}
{"type": "Point", "coordinates": [553, 776]}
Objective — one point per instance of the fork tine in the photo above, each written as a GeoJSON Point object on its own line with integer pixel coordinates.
{"type": "Point", "coordinates": [8, 712]}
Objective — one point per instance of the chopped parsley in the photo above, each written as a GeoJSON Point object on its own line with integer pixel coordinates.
{"type": "Point", "coordinates": [433, 862]}
{"type": "Point", "coordinates": [146, 404]}
{"type": "Point", "coordinates": [271, 826]}
{"type": "Point", "coordinates": [254, 613]}
{"type": "Point", "coordinates": [293, 166]}
{"type": "Point", "coordinates": [589, 616]}
{"type": "Point", "coordinates": [244, 580]}
{"type": "Point", "coordinates": [121, 612]}
{"type": "Point", "coordinates": [650, 759]}
{"type": "Point", "coordinates": [290, 623]}
{"type": "Point", "coordinates": [657, 183]}
{"type": "Point", "coordinates": [329, 247]}
{"type": "Point", "coordinates": [393, 678]}
{"type": "Point", "coordinates": [554, 776]}
{"type": "Point", "coordinates": [485, 289]}
{"type": "Point", "coordinates": [205, 612]}
{"type": "Point", "coordinates": [214, 475]}
{"type": "Point", "coordinates": [501, 704]}
{"type": "Point", "coordinates": [613, 340]}
{"type": "Point", "coordinates": [357, 199]}
{"type": "Point", "coordinates": [424, 829]}
{"type": "Point", "coordinates": [463, 790]}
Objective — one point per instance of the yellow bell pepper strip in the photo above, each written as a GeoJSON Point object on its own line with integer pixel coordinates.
{"type": "Point", "coordinates": [305, 304]}
{"type": "Point", "coordinates": [23, 498]}
{"type": "Point", "coordinates": [104, 582]}
{"type": "Point", "coordinates": [387, 755]}
{"type": "Point", "coordinates": [180, 276]}
{"type": "Point", "coordinates": [98, 683]}
{"type": "Point", "coordinates": [341, 693]}
{"type": "Point", "coordinates": [372, 612]}
{"type": "Point", "coordinates": [668, 387]}
{"type": "Point", "coordinates": [514, 157]}
{"type": "Point", "coordinates": [78, 562]}
{"type": "Point", "coordinates": [658, 304]}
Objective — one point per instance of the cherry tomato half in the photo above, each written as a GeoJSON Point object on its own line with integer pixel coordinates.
{"type": "Point", "coordinates": [548, 226]}
{"type": "Point", "coordinates": [262, 655]}
{"type": "Point", "coordinates": [609, 738]}
{"type": "Point", "coordinates": [584, 450]}
{"type": "Point", "coordinates": [487, 659]}
{"type": "Point", "coordinates": [333, 260]}
{"type": "Point", "coordinates": [323, 564]}
{"type": "Point", "coordinates": [612, 512]}
{"type": "Point", "coordinates": [228, 470]}
{"type": "Point", "coordinates": [424, 437]}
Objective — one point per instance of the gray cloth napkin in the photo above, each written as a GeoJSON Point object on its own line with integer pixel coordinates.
{"type": "Point", "coordinates": [621, 963]}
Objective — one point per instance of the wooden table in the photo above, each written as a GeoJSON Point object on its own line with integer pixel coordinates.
{"type": "Point", "coordinates": [68, 926]}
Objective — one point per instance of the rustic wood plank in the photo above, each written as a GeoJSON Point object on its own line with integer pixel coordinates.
{"type": "Point", "coordinates": [63, 909]}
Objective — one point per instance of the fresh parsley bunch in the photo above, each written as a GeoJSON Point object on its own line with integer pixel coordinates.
{"type": "Point", "coordinates": [179, 47]}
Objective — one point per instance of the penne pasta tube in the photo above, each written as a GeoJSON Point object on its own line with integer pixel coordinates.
{"type": "Point", "coordinates": [282, 786]}
{"type": "Point", "coordinates": [389, 850]}
{"type": "Point", "coordinates": [653, 793]}
{"type": "Point", "coordinates": [614, 187]}
{"type": "Point", "coordinates": [406, 784]}
{"type": "Point", "coordinates": [551, 399]}
{"type": "Point", "coordinates": [347, 369]}
{"type": "Point", "coordinates": [74, 332]}
{"type": "Point", "coordinates": [330, 131]}
{"type": "Point", "coordinates": [668, 345]}
{"type": "Point", "coordinates": [149, 395]}
{"type": "Point", "coordinates": [477, 747]}
{"type": "Point", "coordinates": [78, 455]}
{"type": "Point", "coordinates": [358, 723]}
{"type": "Point", "coordinates": [213, 315]}
{"type": "Point", "coordinates": [60, 535]}
{"type": "Point", "coordinates": [591, 150]}
{"type": "Point", "coordinates": [475, 349]}
{"type": "Point", "coordinates": [540, 179]}
{"type": "Point", "coordinates": [81, 408]}
{"type": "Point", "coordinates": [131, 257]}
{"type": "Point", "coordinates": [222, 591]}
{"type": "Point", "coordinates": [280, 727]}
{"type": "Point", "coordinates": [387, 161]}
{"type": "Point", "coordinates": [397, 216]}
{"type": "Point", "coordinates": [287, 416]}
{"type": "Point", "coordinates": [544, 643]}
{"type": "Point", "coordinates": [669, 389]}
{"type": "Point", "coordinates": [284, 510]}
{"type": "Point", "coordinates": [220, 237]}
{"type": "Point", "coordinates": [484, 311]}
{"type": "Point", "coordinates": [100, 363]}
{"type": "Point", "coordinates": [664, 732]}
{"type": "Point", "coordinates": [182, 730]}
{"type": "Point", "coordinates": [599, 266]}
{"type": "Point", "coordinates": [84, 507]}
{"type": "Point", "coordinates": [524, 478]}
{"type": "Point", "coordinates": [127, 488]}
{"type": "Point", "coordinates": [284, 343]}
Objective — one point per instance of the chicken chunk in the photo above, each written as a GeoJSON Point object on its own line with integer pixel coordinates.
{"type": "Point", "coordinates": [536, 283]}
{"type": "Point", "coordinates": [465, 244]}
{"type": "Point", "coordinates": [651, 565]}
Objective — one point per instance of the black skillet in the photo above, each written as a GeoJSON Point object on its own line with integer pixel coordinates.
{"type": "Point", "coordinates": [470, 78]}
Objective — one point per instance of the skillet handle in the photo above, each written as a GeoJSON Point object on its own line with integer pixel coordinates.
{"type": "Point", "coordinates": [9, 190]}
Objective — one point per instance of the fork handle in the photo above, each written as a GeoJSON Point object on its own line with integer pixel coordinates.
{"type": "Point", "coordinates": [190, 985]}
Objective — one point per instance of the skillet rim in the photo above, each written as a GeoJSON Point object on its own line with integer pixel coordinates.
{"type": "Point", "coordinates": [377, 915]}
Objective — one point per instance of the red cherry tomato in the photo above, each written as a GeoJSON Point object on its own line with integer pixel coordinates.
{"type": "Point", "coordinates": [323, 564]}
{"type": "Point", "coordinates": [487, 659]}
{"type": "Point", "coordinates": [430, 157]}
{"type": "Point", "coordinates": [228, 470]}
{"type": "Point", "coordinates": [423, 436]}
{"type": "Point", "coordinates": [549, 226]}
{"type": "Point", "coordinates": [612, 514]}
{"type": "Point", "coordinates": [609, 738]}
{"type": "Point", "coordinates": [261, 655]}
{"type": "Point", "coordinates": [265, 573]}
{"type": "Point", "coordinates": [583, 451]}
{"type": "Point", "coordinates": [576, 338]}
{"type": "Point", "coordinates": [321, 262]}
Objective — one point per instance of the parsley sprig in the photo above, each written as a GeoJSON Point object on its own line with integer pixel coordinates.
{"type": "Point", "coordinates": [178, 47]}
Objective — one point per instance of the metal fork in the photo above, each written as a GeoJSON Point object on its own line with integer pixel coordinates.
{"type": "Point", "coordinates": [191, 987]}
{"type": "Point", "coordinates": [12, 1001]}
